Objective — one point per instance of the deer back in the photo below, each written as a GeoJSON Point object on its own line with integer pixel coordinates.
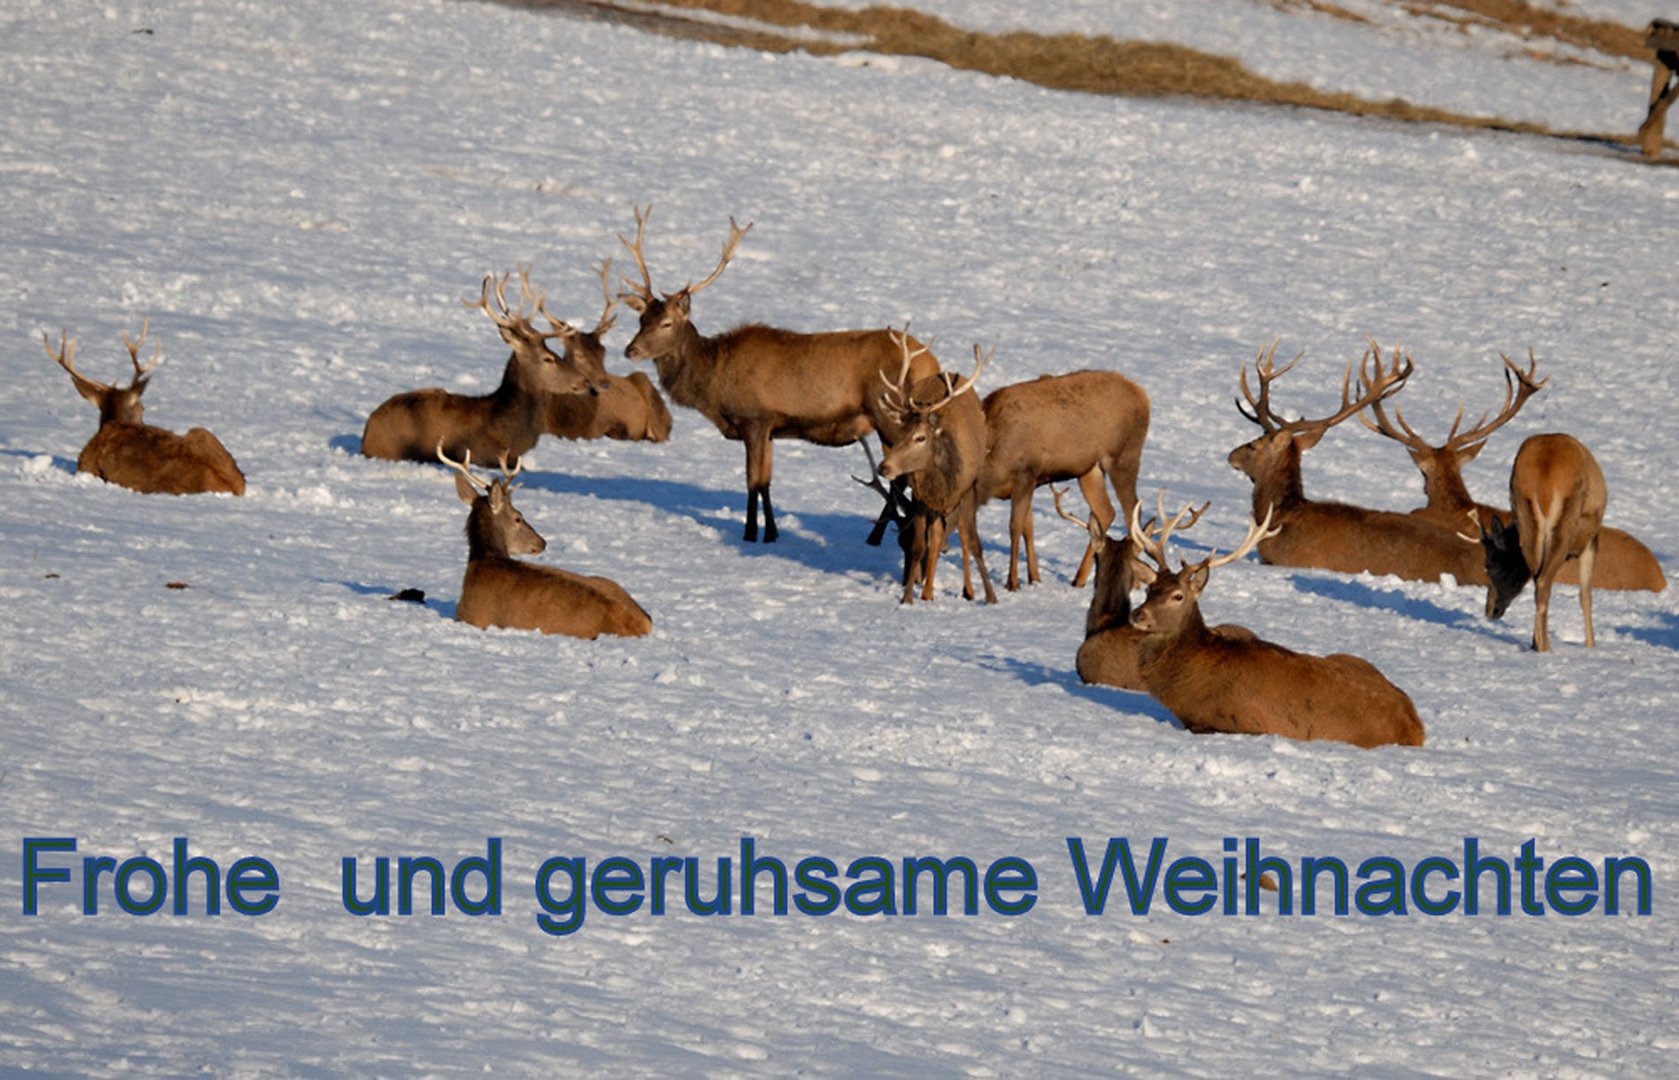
{"type": "Point", "coordinates": [1059, 427]}
{"type": "Point", "coordinates": [1219, 681]}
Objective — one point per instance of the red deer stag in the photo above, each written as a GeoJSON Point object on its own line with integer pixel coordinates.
{"type": "Point", "coordinates": [508, 421]}
{"type": "Point", "coordinates": [627, 407]}
{"type": "Point", "coordinates": [1109, 654]}
{"type": "Point", "coordinates": [1082, 426]}
{"type": "Point", "coordinates": [1558, 494]}
{"type": "Point", "coordinates": [1623, 562]}
{"type": "Point", "coordinates": [499, 590]}
{"type": "Point", "coordinates": [940, 447]}
{"type": "Point", "coordinates": [758, 383]}
{"type": "Point", "coordinates": [131, 453]}
{"type": "Point", "coordinates": [1332, 535]}
{"type": "Point", "coordinates": [1219, 681]}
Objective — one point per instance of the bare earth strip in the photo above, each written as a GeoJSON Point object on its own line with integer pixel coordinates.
{"type": "Point", "coordinates": [1093, 64]}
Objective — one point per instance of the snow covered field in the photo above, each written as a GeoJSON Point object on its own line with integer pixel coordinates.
{"type": "Point", "coordinates": [299, 196]}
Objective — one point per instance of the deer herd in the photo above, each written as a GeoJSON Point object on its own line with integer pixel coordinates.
{"type": "Point", "coordinates": [945, 453]}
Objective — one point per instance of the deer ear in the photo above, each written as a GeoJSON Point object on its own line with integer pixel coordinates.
{"type": "Point", "coordinates": [465, 490]}
{"type": "Point", "coordinates": [680, 302]}
{"type": "Point", "coordinates": [634, 302]}
{"type": "Point", "coordinates": [1470, 452]}
{"type": "Point", "coordinates": [1307, 439]}
{"type": "Point", "coordinates": [1142, 573]}
{"type": "Point", "coordinates": [1195, 579]}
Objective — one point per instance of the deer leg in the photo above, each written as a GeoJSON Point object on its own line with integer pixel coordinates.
{"type": "Point", "coordinates": [968, 533]}
{"type": "Point", "coordinates": [758, 462]}
{"type": "Point", "coordinates": [936, 530]}
{"type": "Point", "coordinates": [1588, 558]}
{"type": "Point", "coordinates": [1101, 514]}
{"type": "Point", "coordinates": [1020, 517]}
{"type": "Point", "coordinates": [1031, 542]}
{"type": "Point", "coordinates": [1541, 608]}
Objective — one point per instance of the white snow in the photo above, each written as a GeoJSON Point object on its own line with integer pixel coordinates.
{"type": "Point", "coordinates": [299, 196]}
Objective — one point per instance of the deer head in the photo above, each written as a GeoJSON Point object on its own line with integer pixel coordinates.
{"type": "Point", "coordinates": [116, 405]}
{"type": "Point", "coordinates": [915, 421]}
{"type": "Point", "coordinates": [1277, 451]}
{"type": "Point", "coordinates": [495, 527]}
{"type": "Point", "coordinates": [537, 366]}
{"type": "Point", "coordinates": [664, 320]}
{"type": "Point", "coordinates": [1173, 596]}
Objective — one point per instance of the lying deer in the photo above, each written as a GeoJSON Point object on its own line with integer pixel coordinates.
{"type": "Point", "coordinates": [1082, 426]}
{"type": "Point", "coordinates": [1109, 654]}
{"type": "Point", "coordinates": [1332, 535]}
{"type": "Point", "coordinates": [627, 407]}
{"type": "Point", "coordinates": [1222, 682]}
{"type": "Point", "coordinates": [131, 453]}
{"type": "Point", "coordinates": [1558, 493]}
{"type": "Point", "coordinates": [506, 422]}
{"type": "Point", "coordinates": [758, 383]}
{"type": "Point", "coordinates": [1623, 562]}
{"type": "Point", "coordinates": [940, 447]}
{"type": "Point", "coordinates": [499, 590]}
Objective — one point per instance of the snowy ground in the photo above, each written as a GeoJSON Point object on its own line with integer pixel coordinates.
{"type": "Point", "coordinates": [299, 196]}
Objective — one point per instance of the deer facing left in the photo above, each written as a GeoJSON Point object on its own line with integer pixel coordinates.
{"type": "Point", "coordinates": [131, 453]}
{"type": "Point", "coordinates": [500, 590]}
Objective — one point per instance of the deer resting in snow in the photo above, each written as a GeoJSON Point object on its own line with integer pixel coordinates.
{"type": "Point", "coordinates": [1109, 655]}
{"type": "Point", "coordinates": [506, 422]}
{"type": "Point", "coordinates": [1217, 681]}
{"type": "Point", "coordinates": [1083, 426]}
{"type": "Point", "coordinates": [1332, 535]}
{"type": "Point", "coordinates": [131, 453]}
{"type": "Point", "coordinates": [758, 383]}
{"type": "Point", "coordinates": [1558, 495]}
{"type": "Point", "coordinates": [1623, 562]}
{"type": "Point", "coordinates": [940, 447]}
{"type": "Point", "coordinates": [500, 590]}
{"type": "Point", "coordinates": [626, 407]}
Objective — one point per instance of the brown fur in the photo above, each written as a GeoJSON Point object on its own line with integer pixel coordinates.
{"type": "Point", "coordinates": [758, 383]}
{"type": "Point", "coordinates": [500, 590]}
{"type": "Point", "coordinates": [630, 408]}
{"type": "Point", "coordinates": [1332, 535]}
{"type": "Point", "coordinates": [1082, 425]}
{"type": "Point", "coordinates": [941, 453]}
{"type": "Point", "coordinates": [1558, 494]}
{"type": "Point", "coordinates": [1219, 682]}
{"type": "Point", "coordinates": [130, 453]}
{"type": "Point", "coordinates": [505, 423]}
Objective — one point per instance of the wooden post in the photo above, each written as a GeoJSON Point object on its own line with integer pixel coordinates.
{"type": "Point", "coordinates": [1663, 37]}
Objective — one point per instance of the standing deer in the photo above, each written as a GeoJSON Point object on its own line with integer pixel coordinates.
{"type": "Point", "coordinates": [1623, 562]}
{"type": "Point", "coordinates": [131, 453]}
{"type": "Point", "coordinates": [1558, 495]}
{"type": "Point", "coordinates": [499, 590]}
{"type": "Point", "coordinates": [1219, 681]}
{"type": "Point", "coordinates": [507, 421]}
{"type": "Point", "coordinates": [1332, 535]}
{"type": "Point", "coordinates": [940, 447]}
{"type": "Point", "coordinates": [1082, 425]}
{"type": "Point", "coordinates": [758, 383]}
{"type": "Point", "coordinates": [627, 407]}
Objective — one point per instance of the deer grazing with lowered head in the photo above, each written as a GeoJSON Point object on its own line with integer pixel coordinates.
{"type": "Point", "coordinates": [1220, 681]}
{"type": "Point", "coordinates": [1084, 425]}
{"type": "Point", "coordinates": [1333, 535]}
{"type": "Point", "coordinates": [940, 447]}
{"type": "Point", "coordinates": [1109, 654]}
{"type": "Point", "coordinates": [1558, 496]}
{"type": "Point", "coordinates": [627, 407]}
{"type": "Point", "coordinates": [1623, 561]}
{"type": "Point", "coordinates": [757, 383]}
{"type": "Point", "coordinates": [500, 590]}
{"type": "Point", "coordinates": [131, 453]}
{"type": "Point", "coordinates": [508, 421]}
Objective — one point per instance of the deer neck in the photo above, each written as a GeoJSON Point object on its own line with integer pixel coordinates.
{"type": "Point", "coordinates": [484, 541]}
{"type": "Point", "coordinates": [1443, 487]}
{"type": "Point", "coordinates": [1280, 486]}
{"type": "Point", "coordinates": [687, 370]}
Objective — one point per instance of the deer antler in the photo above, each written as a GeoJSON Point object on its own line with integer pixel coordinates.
{"type": "Point", "coordinates": [645, 289]}
{"type": "Point", "coordinates": [1370, 374]}
{"type": "Point", "coordinates": [1151, 539]}
{"type": "Point", "coordinates": [965, 385]}
{"type": "Point", "coordinates": [1518, 387]}
{"type": "Point", "coordinates": [134, 352]}
{"type": "Point", "coordinates": [1256, 533]}
{"type": "Point", "coordinates": [607, 319]}
{"type": "Point", "coordinates": [879, 485]}
{"type": "Point", "coordinates": [896, 397]}
{"type": "Point", "coordinates": [1265, 368]}
{"type": "Point", "coordinates": [464, 468]}
{"type": "Point", "coordinates": [729, 246]}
